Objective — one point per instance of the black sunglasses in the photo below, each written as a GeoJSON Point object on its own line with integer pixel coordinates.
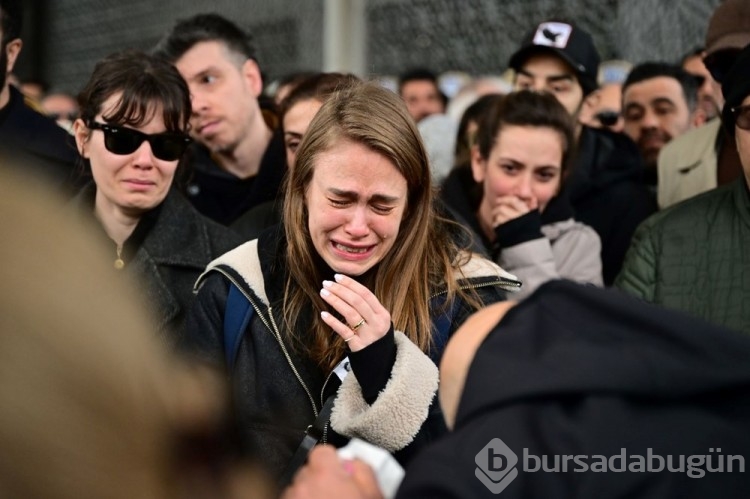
{"type": "Point", "coordinates": [719, 63]}
{"type": "Point", "coordinates": [607, 118]}
{"type": "Point", "coordinates": [120, 140]}
{"type": "Point", "coordinates": [742, 116]}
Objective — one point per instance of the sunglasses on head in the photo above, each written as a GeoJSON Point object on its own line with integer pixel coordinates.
{"type": "Point", "coordinates": [742, 116]}
{"type": "Point", "coordinates": [719, 63]}
{"type": "Point", "coordinates": [607, 118]}
{"type": "Point", "coordinates": [120, 140]}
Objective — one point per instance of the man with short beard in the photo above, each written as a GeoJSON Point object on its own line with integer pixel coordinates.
{"type": "Point", "coordinates": [659, 103]}
{"type": "Point", "coordinates": [706, 157]}
{"type": "Point", "coordinates": [27, 138]}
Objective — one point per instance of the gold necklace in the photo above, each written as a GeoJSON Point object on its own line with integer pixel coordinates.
{"type": "Point", "coordinates": [119, 262]}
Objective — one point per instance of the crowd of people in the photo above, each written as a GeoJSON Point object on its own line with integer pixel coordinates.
{"type": "Point", "coordinates": [561, 250]}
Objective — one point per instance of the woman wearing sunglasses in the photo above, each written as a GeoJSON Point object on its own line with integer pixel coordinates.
{"type": "Point", "coordinates": [512, 197]}
{"type": "Point", "coordinates": [131, 132]}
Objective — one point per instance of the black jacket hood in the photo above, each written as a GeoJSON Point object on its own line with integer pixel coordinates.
{"type": "Point", "coordinates": [603, 158]}
{"type": "Point", "coordinates": [568, 339]}
{"type": "Point", "coordinates": [580, 372]}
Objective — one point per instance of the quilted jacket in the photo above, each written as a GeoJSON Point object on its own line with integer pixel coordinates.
{"type": "Point", "coordinates": [694, 257]}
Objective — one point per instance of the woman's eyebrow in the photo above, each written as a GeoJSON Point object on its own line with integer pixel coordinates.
{"type": "Point", "coordinates": [382, 198]}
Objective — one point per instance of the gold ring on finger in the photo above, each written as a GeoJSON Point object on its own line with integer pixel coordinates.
{"type": "Point", "coordinates": [357, 325]}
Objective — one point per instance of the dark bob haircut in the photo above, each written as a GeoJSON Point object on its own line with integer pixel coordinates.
{"type": "Point", "coordinates": [146, 83]}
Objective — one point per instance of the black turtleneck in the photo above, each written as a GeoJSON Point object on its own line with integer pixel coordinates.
{"type": "Point", "coordinates": [373, 364]}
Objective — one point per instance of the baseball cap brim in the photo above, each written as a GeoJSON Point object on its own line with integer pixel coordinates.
{"type": "Point", "coordinates": [517, 59]}
{"type": "Point", "coordinates": [730, 41]}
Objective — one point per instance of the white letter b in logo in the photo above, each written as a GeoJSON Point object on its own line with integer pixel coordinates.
{"type": "Point", "coordinates": [496, 465]}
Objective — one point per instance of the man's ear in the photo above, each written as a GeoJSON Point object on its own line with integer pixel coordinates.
{"type": "Point", "coordinates": [478, 165]}
{"type": "Point", "coordinates": [698, 117]}
{"type": "Point", "coordinates": [12, 50]}
{"type": "Point", "coordinates": [251, 73]}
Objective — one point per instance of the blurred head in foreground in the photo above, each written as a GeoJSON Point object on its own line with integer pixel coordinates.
{"type": "Point", "coordinates": [91, 404]}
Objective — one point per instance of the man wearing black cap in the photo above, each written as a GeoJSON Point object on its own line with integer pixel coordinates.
{"type": "Point", "coordinates": [706, 157]}
{"type": "Point", "coordinates": [693, 256]}
{"type": "Point", "coordinates": [560, 59]}
{"type": "Point", "coordinates": [605, 188]}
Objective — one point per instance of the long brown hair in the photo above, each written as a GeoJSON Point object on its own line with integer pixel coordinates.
{"type": "Point", "coordinates": [423, 257]}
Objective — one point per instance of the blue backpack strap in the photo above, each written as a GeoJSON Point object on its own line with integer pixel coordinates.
{"type": "Point", "coordinates": [237, 315]}
{"type": "Point", "coordinates": [441, 326]}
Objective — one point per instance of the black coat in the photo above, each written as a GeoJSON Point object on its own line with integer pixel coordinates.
{"type": "Point", "coordinates": [223, 197]}
{"type": "Point", "coordinates": [166, 254]}
{"type": "Point", "coordinates": [36, 145]}
{"type": "Point", "coordinates": [579, 371]}
{"type": "Point", "coordinates": [607, 191]}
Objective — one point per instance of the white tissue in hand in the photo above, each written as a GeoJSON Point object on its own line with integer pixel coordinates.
{"type": "Point", "coordinates": [387, 470]}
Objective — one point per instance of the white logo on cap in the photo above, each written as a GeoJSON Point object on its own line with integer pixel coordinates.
{"type": "Point", "coordinates": [553, 35]}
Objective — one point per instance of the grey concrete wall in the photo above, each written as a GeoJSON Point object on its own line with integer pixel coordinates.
{"type": "Point", "coordinates": [479, 36]}
{"type": "Point", "coordinates": [287, 33]}
{"type": "Point", "coordinates": [471, 35]}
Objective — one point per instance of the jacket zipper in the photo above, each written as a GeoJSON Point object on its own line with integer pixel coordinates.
{"type": "Point", "coordinates": [505, 284]}
{"type": "Point", "coordinates": [275, 331]}
{"type": "Point", "coordinates": [291, 364]}
{"type": "Point", "coordinates": [324, 438]}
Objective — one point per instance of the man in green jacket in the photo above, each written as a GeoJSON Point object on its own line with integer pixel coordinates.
{"type": "Point", "coordinates": [695, 256]}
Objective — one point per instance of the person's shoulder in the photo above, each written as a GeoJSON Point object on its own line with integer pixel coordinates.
{"type": "Point", "coordinates": [242, 259]}
{"type": "Point", "coordinates": [688, 214]}
{"type": "Point", "coordinates": [23, 118]}
{"type": "Point", "coordinates": [477, 268]}
{"type": "Point", "coordinates": [705, 199]}
{"type": "Point", "coordinates": [569, 229]}
{"type": "Point", "coordinates": [222, 237]}
{"type": "Point", "coordinates": [34, 132]}
{"type": "Point", "coordinates": [258, 218]}
{"type": "Point", "coordinates": [178, 211]}
{"type": "Point", "coordinates": [612, 156]}
{"type": "Point", "coordinates": [605, 136]}
{"type": "Point", "coordinates": [694, 139]}
{"type": "Point", "coordinates": [199, 163]}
